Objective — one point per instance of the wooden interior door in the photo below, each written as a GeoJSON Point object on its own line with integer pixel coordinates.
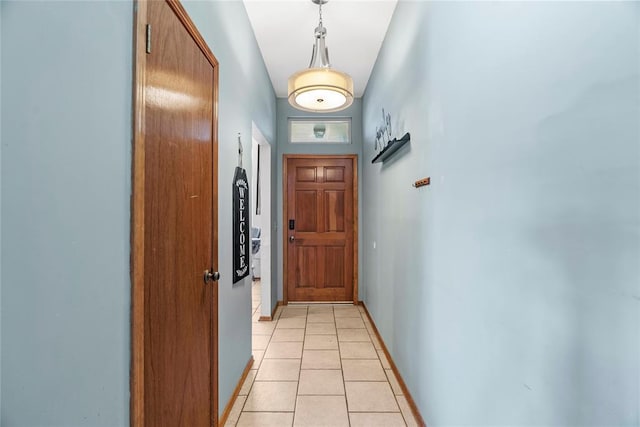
{"type": "Point", "coordinates": [174, 361]}
{"type": "Point", "coordinates": [320, 228]}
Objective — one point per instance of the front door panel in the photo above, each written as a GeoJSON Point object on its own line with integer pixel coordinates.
{"type": "Point", "coordinates": [320, 247]}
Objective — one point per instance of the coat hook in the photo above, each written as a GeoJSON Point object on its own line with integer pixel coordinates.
{"type": "Point", "coordinates": [422, 182]}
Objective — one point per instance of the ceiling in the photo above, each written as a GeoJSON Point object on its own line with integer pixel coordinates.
{"type": "Point", "coordinates": [285, 33]}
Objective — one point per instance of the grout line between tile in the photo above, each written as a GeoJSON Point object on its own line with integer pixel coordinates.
{"type": "Point", "coordinates": [304, 335]}
{"type": "Point", "coordinates": [401, 413]}
{"type": "Point", "coordinates": [344, 385]}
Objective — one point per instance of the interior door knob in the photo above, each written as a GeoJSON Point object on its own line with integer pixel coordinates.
{"type": "Point", "coordinates": [211, 277]}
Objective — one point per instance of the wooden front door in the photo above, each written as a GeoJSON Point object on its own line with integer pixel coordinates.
{"type": "Point", "coordinates": [175, 222]}
{"type": "Point", "coordinates": [320, 228]}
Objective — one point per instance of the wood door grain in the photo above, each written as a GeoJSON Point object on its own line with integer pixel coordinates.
{"type": "Point", "coordinates": [174, 373]}
{"type": "Point", "coordinates": [320, 250]}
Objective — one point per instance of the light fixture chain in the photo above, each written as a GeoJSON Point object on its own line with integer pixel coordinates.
{"type": "Point", "coordinates": [320, 88]}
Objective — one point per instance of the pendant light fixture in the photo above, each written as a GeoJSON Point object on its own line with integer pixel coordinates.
{"type": "Point", "coordinates": [320, 89]}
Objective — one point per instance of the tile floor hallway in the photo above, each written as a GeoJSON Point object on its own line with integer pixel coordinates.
{"type": "Point", "coordinates": [318, 365]}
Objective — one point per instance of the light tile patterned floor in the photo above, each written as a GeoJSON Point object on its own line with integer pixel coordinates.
{"type": "Point", "coordinates": [318, 365]}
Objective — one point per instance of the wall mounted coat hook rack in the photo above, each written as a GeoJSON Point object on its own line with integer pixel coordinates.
{"type": "Point", "coordinates": [422, 182]}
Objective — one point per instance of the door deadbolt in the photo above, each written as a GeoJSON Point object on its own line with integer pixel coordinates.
{"type": "Point", "coordinates": [211, 277]}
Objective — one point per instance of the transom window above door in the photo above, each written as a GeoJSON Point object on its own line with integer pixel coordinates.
{"type": "Point", "coordinates": [320, 131]}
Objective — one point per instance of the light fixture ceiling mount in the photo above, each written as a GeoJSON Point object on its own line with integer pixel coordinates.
{"type": "Point", "coordinates": [320, 89]}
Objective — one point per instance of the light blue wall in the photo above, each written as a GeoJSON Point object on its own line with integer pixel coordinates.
{"type": "Point", "coordinates": [1, 7]}
{"type": "Point", "coordinates": [508, 290]}
{"type": "Point", "coordinates": [286, 111]}
{"type": "Point", "coordinates": [246, 95]}
{"type": "Point", "coordinates": [66, 167]}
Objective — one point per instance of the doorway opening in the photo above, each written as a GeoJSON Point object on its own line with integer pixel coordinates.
{"type": "Point", "coordinates": [261, 223]}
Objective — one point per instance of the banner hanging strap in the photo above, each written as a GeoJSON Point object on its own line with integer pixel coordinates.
{"type": "Point", "coordinates": [239, 152]}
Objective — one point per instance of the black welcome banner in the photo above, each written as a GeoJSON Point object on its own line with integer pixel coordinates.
{"type": "Point", "coordinates": [241, 242]}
